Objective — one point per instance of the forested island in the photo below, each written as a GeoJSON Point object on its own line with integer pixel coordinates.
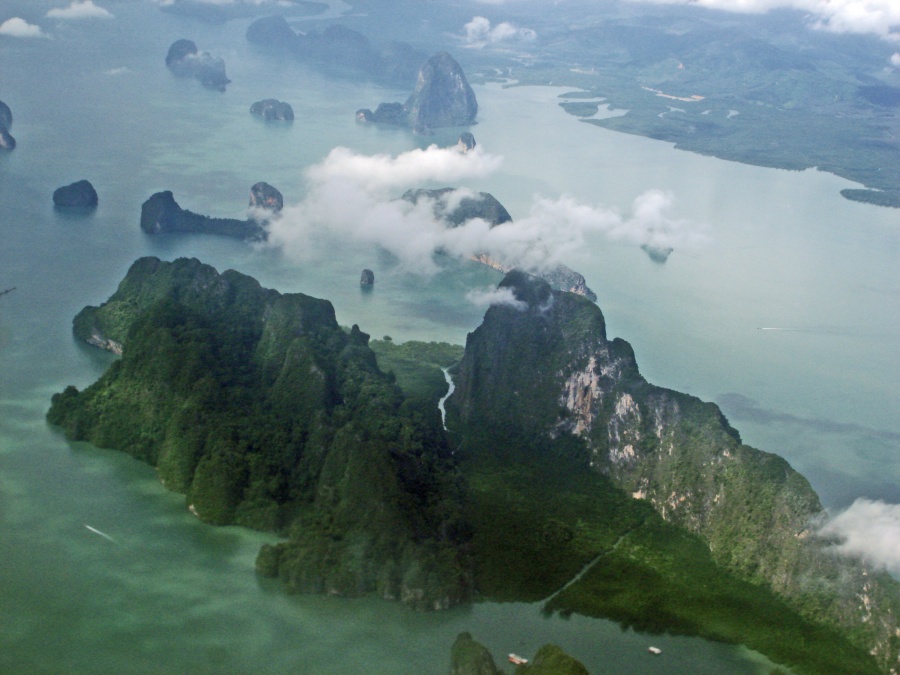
{"type": "Point", "coordinates": [573, 482]}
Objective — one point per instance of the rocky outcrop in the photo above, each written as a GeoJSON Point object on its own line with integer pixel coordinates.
{"type": "Point", "coordinates": [442, 98]}
{"type": "Point", "coordinates": [80, 194]}
{"type": "Point", "coordinates": [264, 196]}
{"type": "Point", "coordinates": [367, 278]}
{"type": "Point", "coordinates": [455, 211]}
{"type": "Point", "coordinates": [339, 51]}
{"type": "Point", "coordinates": [658, 254]}
{"type": "Point", "coordinates": [272, 109]}
{"type": "Point", "coordinates": [673, 450]}
{"type": "Point", "coordinates": [185, 60]}
{"type": "Point", "coordinates": [466, 142]}
{"type": "Point", "coordinates": [7, 142]}
{"type": "Point", "coordinates": [161, 214]}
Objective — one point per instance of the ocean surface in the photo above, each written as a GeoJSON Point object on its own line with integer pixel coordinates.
{"type": "Point", "coordinates": [787, 316]}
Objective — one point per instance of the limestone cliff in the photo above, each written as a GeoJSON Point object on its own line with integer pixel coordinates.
{"type": "Point", "coordinates": [442, 98]}
{"type": "Point", "coordinates": [273, 109]}
{"type": "Point", "coordinates": [673, 450]}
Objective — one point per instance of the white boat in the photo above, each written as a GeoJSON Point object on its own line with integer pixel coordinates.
{"type": "Point", "coordinates": [654, 650]}
{"type": "Point", "coordinates": [518, 660]}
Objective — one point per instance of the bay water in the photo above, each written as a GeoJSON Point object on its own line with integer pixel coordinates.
{"type": "Point", "coordinates": [157, 591]}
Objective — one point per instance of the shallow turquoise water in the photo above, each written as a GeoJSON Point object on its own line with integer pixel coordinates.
{"type": "Point", "coordinates": [170, 594]}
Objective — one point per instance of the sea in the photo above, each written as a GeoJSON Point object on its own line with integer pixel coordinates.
{"type": "Point", "coordinates": [786, 314]}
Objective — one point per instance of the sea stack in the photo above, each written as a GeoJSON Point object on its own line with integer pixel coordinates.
{"type": "Point", "coordinates": [78, 195]}
{"type": "Point", "coordinates": [264, 196]}
{"type": "Point", "coordinates": [367, 279]}
{"type": "Point", "coordinates": [466, 142]}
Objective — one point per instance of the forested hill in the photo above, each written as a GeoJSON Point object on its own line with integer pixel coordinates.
{"type": "Point", "coordinates": [267, 414]}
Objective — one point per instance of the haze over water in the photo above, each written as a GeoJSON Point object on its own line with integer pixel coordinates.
{"type": "Point", "coordinates": [167, 593]}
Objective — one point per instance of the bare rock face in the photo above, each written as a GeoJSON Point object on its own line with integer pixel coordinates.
{"type": "Point", "coordinates": [264, 196]}
{"type": "Point", "coordinates": [78, 195]}
{"type": "Point", "coordinates": [272, 109]}
{"type": "Point", "coordinates": [185, 60]}
{"type": "Point", "coordinates": [367, 278]}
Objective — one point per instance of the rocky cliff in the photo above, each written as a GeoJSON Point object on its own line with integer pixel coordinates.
{"type": "Point", "coordinates": [673, 451]}
{"type": "Point", "coordinates": [442, 98]}
{"type": "Point", "coordinates": [264, 196]}
{"type": "Point", "coordinates": [273, 109]}
{"type": "Point", "coordinates": [161, 214]}
{"type": "Point", "coordinates": [265, 413]}
{"type": "Point", "coordinates": [185, 60]}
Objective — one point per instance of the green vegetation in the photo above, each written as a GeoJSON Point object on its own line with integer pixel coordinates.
{"type": "Point", "coordinates": [417, 366]}
{"type": "Point", "coordinates": [266, 414]}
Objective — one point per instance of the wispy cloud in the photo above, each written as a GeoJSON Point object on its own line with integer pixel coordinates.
{"type": "Point", "coordinates": [480, 33]}
{"type": "Point", "coordinates": [895, 60]}
{"type": "Point", "coordinates": [353, 198]}
{"type": "Point", "coordinates": [869, 529]}
{"type": "Point", "coordinates": [495, 296]}
{"type": "Point", "coordinates": [85, 9]}
{"type": "Point", "coordinates": [16, 27]}
{"type": "Point", "coordinates": [878, 17]}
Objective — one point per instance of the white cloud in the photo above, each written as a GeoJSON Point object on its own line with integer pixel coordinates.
{"type": "Point", "coordinates": [17, 27]}
{"type": "Point", "coordinates": [85, 9]}
{"type": "Point", "coordinates": [879, 17]}
{"type": "Point", "coordinates": [869, 529]}
{"type": "Point", "coordinates": [480, 32]}
{"type": "Point", "coordinates": [895, 60]}
{"type": "Point", "coordinates": [353, 198]}
{"type": "Point", "coordinates": [495, 296]}
{"type": "Point", "coordinates": [117, 71]}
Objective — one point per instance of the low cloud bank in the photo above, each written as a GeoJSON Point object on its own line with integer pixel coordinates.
{"type": "Point", "coordinates": [85, 9]}
{"type": "Point", "coordinates": [354, 198]}
{"type": "Point", "coordinates": [480, 33]}
{"type": "Point", "coordinates": [878, 17]}
{"type": "Point", "coordinates": [869, 529]}
{"type": "Point", "coordinates": [17, 27]}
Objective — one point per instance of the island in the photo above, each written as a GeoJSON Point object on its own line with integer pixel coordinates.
{"type": "Point", "coordinates": [442, 98]}
{"type": "Point", "coordinates": [265, 197]}
{"type": "Point", "coordinates": [572, 482]}
{"type": "Point", "coordinates": [7, 142]}
{"type": "Point", "coordinates": [367, 278]}
{"type": "Point", "coordinates": [185, 60]}
{"type": "Point", "coordinates": [272, 109]}
{"type": "Point", "coordinates": [485, 206]}
{"type": "Point", "coordinates": [470, 657]}
{"type": "Point", "coordinates": [161, 214]}
{"type": "Point", "coordinates": [78, 195]}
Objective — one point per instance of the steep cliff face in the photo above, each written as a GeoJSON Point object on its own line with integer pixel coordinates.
{"type": "Point", "coordinates": [546, 370]}
{"type": "Point", "coordinates": [442, 97]}
{"type": "Point", "coordinates": [265, 413]}
{"type": "Point", "coordinates": [7, 142]}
